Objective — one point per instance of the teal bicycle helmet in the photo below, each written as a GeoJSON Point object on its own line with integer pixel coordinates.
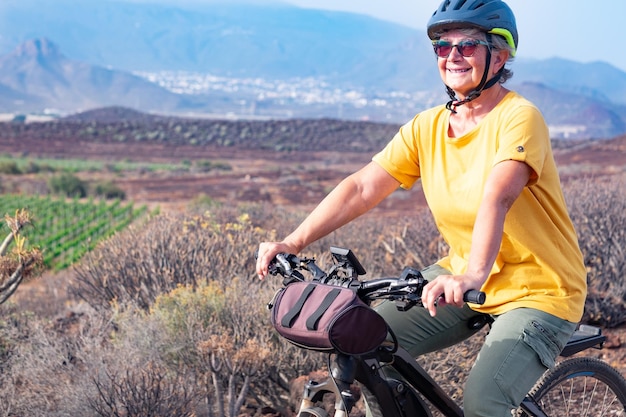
{"type": "Point", "coordinates": [494, 17]}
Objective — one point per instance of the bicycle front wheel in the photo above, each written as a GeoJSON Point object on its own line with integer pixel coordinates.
{"type": "Point", "coordinates": [410, 404]}
{"type": "Point", "coordinates": [581, 387]}
{"type": "Point", "coordinates": [372, 407]}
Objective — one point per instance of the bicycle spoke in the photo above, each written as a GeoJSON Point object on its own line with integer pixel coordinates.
{"type": "Point", "coordinates": [582, 396]}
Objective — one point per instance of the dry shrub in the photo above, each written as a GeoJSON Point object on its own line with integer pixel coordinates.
{"type": "Point", "coordinates": [47, 368]}
{"type": "Point", "coordinates": [598, 209]}
{"type": "Point", "coordinates": [177, 304]}
{"type": "Point", "coordinates": [162, 269]}
{"type": "Point", "coordinates": [139, 264]}
{"type": "Point", "coordinates": [193, 278]}
{"type": "Point", "coordinates": [207, 331]}
{"type": "Point", "coordinates": [385, 246]}
{"type": "Point", "coordinates": [145, 392]}
{"type": "Point", "coordinates": [223, 336]}
{"type": "Point", "coordinates": [87, 364]}
{"type": "Point", "coordinates": [17, 260]}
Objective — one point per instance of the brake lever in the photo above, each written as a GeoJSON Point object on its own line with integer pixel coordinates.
{"type": "Point", "coordinates": [283, 260]}
{"type": "Point", "coordinates": [410, 286]}
{"type": "Point", "coordinates": [284, 265]}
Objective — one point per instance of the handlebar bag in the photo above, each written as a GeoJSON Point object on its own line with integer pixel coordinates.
{"type": "Point", "coordinates": [328, 318]}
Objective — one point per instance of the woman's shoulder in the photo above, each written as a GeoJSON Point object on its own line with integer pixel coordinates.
{"type": "Point", "coordinates": [516, 100]}
{"type": "Point", "coordinates": [514, 106]}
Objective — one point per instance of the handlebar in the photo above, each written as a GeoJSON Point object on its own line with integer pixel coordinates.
{"type": "Point", "coordinates": [370, 289]}
{"type": "Point", "coordinates": [475, 297]}
{"type": "Point", "coordinates": [405, 290]}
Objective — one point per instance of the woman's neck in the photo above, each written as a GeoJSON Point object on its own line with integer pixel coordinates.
{"type": "Point", "coordinates": [482, 105]}
{"type": "Point", "coordinates": [470, 114]}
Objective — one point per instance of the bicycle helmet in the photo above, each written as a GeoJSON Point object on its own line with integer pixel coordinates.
{"type": "Point", "coordinates": [490, 16]}
{"type": "Point", "coordinates": [494, 17]}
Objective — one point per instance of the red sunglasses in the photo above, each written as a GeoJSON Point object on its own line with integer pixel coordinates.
{"type": "Point", "coordinates": [467, 48]}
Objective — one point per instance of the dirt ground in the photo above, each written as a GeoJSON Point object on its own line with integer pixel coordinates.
{"type": "Point", "coordinates": [290, 179]}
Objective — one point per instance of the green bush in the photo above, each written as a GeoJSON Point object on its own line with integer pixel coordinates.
{"type": "Point", "coordinates": [206, 166]}
{"type": "Point", "coordinates": [68, 185]}
{"type": "Point", "coordinates": [109, 191]}
{"type": "Point", "coordinates": [9, 168]}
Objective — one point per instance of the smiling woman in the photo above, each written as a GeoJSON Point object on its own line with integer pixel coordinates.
{"type": "Point", "coordinates": [485, 164]}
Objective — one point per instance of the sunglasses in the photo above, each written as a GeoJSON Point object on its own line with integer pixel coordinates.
{"type": "Point", "coordinates": [467, 48]}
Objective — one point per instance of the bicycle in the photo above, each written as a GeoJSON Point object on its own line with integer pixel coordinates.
{"type": "Point", "coordinates": [580, 386]}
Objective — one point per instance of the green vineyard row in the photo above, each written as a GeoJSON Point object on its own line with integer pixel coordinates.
{"type": "Point", "coordinates": [65, 230]}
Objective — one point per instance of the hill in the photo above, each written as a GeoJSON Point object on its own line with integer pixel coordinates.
{"type": "Point", "coordinates": [235, 38]}
{"type": "Point", "coordinates": [263, 40]}
{"type": "Point", "coordinates": [127, 127]}
{"type": "Point", "coordinates": [36, 75]}
{"type": "Point", "coordinates": [124, 127]}
{"type": "Point", "coordinates": [271, 61]}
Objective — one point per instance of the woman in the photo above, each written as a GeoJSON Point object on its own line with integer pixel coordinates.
{"type": "Point", "coordinates": [491, 182]}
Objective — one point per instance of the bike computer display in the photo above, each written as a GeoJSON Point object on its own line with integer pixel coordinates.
{"type": "Point", "coordinates": [342, 255]}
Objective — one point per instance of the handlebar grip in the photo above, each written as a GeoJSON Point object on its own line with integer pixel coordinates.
{"type": "Point", "coordinates": [475, 297]}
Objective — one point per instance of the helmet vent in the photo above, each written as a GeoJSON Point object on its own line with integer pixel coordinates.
{"type": "Point", "coordinates": [459, 4]}
{"type": "Point", "coordinates": [476, 5]}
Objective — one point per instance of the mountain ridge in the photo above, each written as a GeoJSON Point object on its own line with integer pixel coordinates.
{"type": "Point", "coordinates": [360, 68]}
{"type": "Point", "coordinates": [38, 69]}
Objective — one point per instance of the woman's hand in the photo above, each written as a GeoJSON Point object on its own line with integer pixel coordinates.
{"type": "Point", "coordinates": [267, 252]}
{"type": "Point", "coordinates": [449, 289]}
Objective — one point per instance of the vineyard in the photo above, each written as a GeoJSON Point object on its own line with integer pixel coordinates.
{"type": "Point", "coordinates": [64, 230]}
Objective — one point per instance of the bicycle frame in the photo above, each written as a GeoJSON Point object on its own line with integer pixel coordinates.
{"type": "Point", "coordinates": [396, 398]}
{"type": "Point", "coordinates": [406, 396]}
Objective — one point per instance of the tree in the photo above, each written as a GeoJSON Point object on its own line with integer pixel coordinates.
{"type": "Point", "coordinates": [20, 262]}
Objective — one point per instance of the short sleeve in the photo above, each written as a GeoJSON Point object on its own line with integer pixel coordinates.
{"type": "Point", "coordinates": [400, 157]}
{"type": "Point", "coordinates": [525, 137]}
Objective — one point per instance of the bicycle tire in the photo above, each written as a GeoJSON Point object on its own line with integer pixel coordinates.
{"type": "Point", "coordinates": [372, 406]}
{"type": "Point", "coordinates": [411, 405]}
{"type": "Point", "coordinates": [313, 412]}
{"type": "Point", "coordinates": [581, 387]}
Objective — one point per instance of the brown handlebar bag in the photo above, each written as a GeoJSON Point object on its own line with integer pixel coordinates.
{"type": "Point", "coordinates": [323, 317]}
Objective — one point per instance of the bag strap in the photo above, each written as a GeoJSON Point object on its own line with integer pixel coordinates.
{"type": "Point", "coordinates": [295, 310]}
{"type": "Point", "coordinates": [311, 322]}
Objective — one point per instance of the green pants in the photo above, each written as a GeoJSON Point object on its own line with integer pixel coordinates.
{"type": "Point", "coordinates": [520, 346]}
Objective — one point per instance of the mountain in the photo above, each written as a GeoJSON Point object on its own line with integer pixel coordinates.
{"type": "Point", "coordinates": [597, 80]}
{"type": "Point", "coordinates": [260, 60]}
{"type": "Point", "coordinates": [229, 38]}
{"type": "Point", "coordinates": [268, 40]}
{"type": "Point", "coordinates": [572, 115]}
{"type": "Point", "coordinates": [37, 75]}
{"type": "Point", "coordinates": [15, 101]}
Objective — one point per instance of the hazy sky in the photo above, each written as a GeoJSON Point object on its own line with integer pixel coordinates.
{"type": "Point", "coordinates": [580, 30]}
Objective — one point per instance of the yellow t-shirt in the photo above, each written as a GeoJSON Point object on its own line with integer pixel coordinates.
{"type": "Point", "coordinates": [539, 264]}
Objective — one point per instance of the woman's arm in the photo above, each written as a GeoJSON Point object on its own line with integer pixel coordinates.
{"type": "Point", "coordinates": [354, 196]}
{"type": "Point", "coordinates": [504, 184]}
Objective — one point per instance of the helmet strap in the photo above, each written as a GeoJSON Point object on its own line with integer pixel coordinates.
{"type": "Point", "coordinates": [483, 85]}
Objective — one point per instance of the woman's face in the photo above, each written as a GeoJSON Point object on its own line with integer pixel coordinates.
{"type": "Point", "coordinates": [461, 73]}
